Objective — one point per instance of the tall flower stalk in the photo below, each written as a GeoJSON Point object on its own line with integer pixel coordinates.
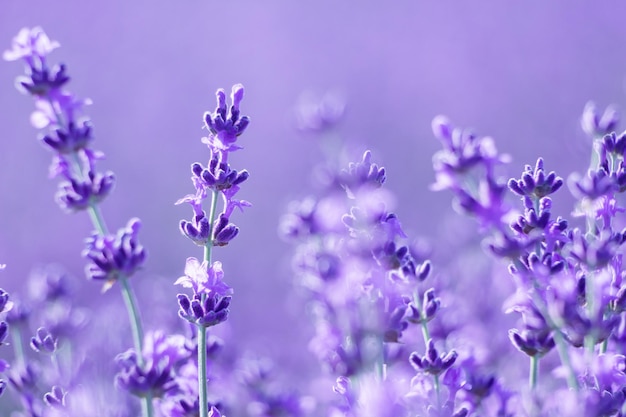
{"type": "Point", "coordinates": [211, 298]}
{"type": "Point", "coordinates": [68, 134]}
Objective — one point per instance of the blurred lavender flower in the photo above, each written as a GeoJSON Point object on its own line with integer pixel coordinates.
{"type": "Point", "coordinates": [43, 341]}
{"type": "Point", "coordinates": [595, 124]}
{"type": "Point", "coordinates": [314, 114]}
{"type": "Point", "coordinates": [162, 354]}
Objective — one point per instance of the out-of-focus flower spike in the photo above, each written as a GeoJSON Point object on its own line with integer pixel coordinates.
{"type": "Point", "coordinates": [30, 43]}
{"type": "Point", "coordinates": [43, 341]}
{"type": "Point", "coordinates": [596, 125]}
{"type": "Point", "coordinates": [55, 398]}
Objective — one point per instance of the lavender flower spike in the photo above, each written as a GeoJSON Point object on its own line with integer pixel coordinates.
{"type": "Point", "coordinates": [226, 125]}
{"type": "Point", "coordinates": [114, 255]}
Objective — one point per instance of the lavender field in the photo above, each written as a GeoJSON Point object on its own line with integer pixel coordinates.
{"type": "Point", "coordinates": [407, 210]}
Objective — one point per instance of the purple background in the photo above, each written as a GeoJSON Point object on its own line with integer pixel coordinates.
{"type": "Point", "coordinates": [520, 72]}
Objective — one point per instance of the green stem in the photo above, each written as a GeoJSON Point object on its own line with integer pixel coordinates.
{"type": "Point", "coordinates": [202, 374]}
{"type": "Point", "coordinates": [604, 346]}
{"type": "Point", "coordinates": [534, 372]}
{"type": "Point", "coordinates": [133, 316]}
{"type": "Point", "coordinates": [561, 346]}
{"type": "Point", "coordinates": [202, 331]}
{"type": "Point", "coordinates": [18, 346]}
{"type": "Point", "coordinates": [147, 407]}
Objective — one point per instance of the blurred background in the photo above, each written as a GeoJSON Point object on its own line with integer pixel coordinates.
{"type": "Point", "coordinates": [520, 72]}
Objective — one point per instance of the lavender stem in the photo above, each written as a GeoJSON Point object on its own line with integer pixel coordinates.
{"type": "Point", "coordinates": [202, 361]}
{"type": "Point", "coordinates": [534, 372]}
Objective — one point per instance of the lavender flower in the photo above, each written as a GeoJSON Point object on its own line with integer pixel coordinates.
{"type": "Point", "coordinates": [433, 362]}
{"type": "Point", "coordinates": [210, 303]}
{"type": "Point", "coordinates": [595, 124]}
{"type": "Point", "coordinates": [55, 398]}
{"type": "Point", "coordinates": [162, 354]}
{"type": "Point", "coordinates": [43, 341]}
{"type": "Point", "coordinates": [114, 256]}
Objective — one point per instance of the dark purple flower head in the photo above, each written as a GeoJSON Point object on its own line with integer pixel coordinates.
{"type": "Point", "coordinates": [155, 376]}
{"type": "Point", "coordinates": [77, 194]}
{"type": "Point", "coordinates": [533, 219]}
{"type": "Point", "coordinates": [223, 231]}
{"type": "Point", "coordinates": [204, 310]}
{"type": "Point", "coordinates": [596, 125]}
{"type": "Point", "coordinates": [199, 228]}
{"type": "Point", "coordinates": [532, 343]}
{"type": "Point", "coordinates": [540, 266]}
{"type": "Point", "coordinates": [225, 125]}
{"type": "Point", "coordinates": [42, 82]}
{"type": "Point", "coordinates": [613, 143]}
{"type": "Point", "coordinates": [536, 182]}
{"type": "Point", "coordinates": [433, 363]}
{"type": "Point", "coordinates": [430, 307]}
{"type": "Point", "coordinates": [114, 255]}
{"type": "Point", "coordinates": [218, 175]}
{"type": "Point", "coordinates": [75, 136]}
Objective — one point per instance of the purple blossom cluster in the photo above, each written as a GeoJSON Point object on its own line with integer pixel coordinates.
{"type": "Point", "coordinates": [532, 324]}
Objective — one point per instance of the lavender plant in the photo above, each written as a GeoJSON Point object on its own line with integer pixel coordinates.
{"type": "Point", "coordinates": [394, 335]}
{"type": "Point", "coordinates": [210, 302]}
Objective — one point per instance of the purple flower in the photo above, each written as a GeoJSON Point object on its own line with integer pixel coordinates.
{"type": "Point", "coordinates": [226, 125]}
{"type": "Point", "coordinates": [535, 182]}
{"type": "Point", "coordinates": [596, 125]}
{"type": "Point", "coordinates": [462, 151]}
{"type": "Point", "coordinates": [30, 44]}
{"type": "Point", "coordinates": [204, 279]}
{"type": "Point", "coordinates": [5, 304]}
{"type": "Point", "coordinates": [43, 341]}
{"type": "Point", "coordinates": [204, 310]}
{"type": "Point", "coordinates": [362, 173]}
{"type": "Point", "coordinates": [154, 374]}
{"type": "Point", "coordinates": [77, 194]}
{"type": "Point", "coordinates": [433, 363]}
{"type": "Point", "coordinates": [55, 398]}
{"type": "Point", "coordinates": [111, 256]}
{"type": "Point", "coordinates": [319, 114]}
